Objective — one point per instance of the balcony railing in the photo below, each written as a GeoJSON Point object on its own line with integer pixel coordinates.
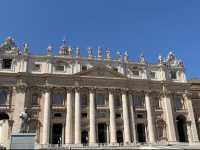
{"type": "Point", "coordinates": [5, 107]}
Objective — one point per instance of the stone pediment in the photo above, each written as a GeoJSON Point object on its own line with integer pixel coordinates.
{"type": "Point", "coordinates": [101, 71]}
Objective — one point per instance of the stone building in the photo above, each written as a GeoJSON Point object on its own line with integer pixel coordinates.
{"type": "Point", "coordinates": [105, 100]}
{"type": "Point", "coordinates": [195, 96]}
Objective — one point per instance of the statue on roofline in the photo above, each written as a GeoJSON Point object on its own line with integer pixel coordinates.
{"type": "Point", "coordinates": [99, 52]}
{"type": "Point", "coordinates": [26, 48]}
{"type": "Point", "coordinates": [90, 50]}
{"type": "Point", "coordinates": [142, 59]}
{"type": "Point", "coordinates": [107, 53]}
{"type": "Point", "coordinates": [69, 51]}
{"type": "Point", "coordinates": [49, 50]}
{"type": "Point", "coordinates": [77, 52]}
{"type": "Point", "coordinates": [126, 56]}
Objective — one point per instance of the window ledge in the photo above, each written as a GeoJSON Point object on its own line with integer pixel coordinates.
{"type": "Point", "coordinates": [5, 106]}
{"type": "Point", "coordinates": [58, 107]}
{"type": "Point", "coordinates": [140, 109]}
{"type": "Point", "coordinates": [102, 107]}
{"type": "Point", "coordinates": [181, 110]}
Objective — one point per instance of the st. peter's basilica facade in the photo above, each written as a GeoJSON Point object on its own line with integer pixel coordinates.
{"type": "Point", "coordinates": [102, 100]}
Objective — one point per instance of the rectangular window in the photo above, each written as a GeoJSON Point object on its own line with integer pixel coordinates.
{"type": "Point", "coordinates": [35, 98]}
{"type": "Point", "coordinates": [138, 101]}
{"type": "Point", "coordinates": [117, 100]}
{"type": "Point", "coordinates": [179, 103]}
{"type": "Point", "coordinates": [153, 75]}
{"type": "Point", "coordinates": [57, 99]}
{"type": "Point", "coordinates": [6, 63]}
{"type": "Point", "coordinates": [173, 74]}
{"type": "Point", "coordinates": [3, 97]}
{"type": "Point", "coordinates": [84, 115]}
{"type": "Point", "coordinates": [84, 68]}
{"type": "Point", "coordinates": [135, 72]}
{"type": "Point", "coordinates": [115, 69]}
{"type": "Point", "coordinates": [60, 68]}
{"type": "Point", "coordinates": [139, 116]}
{"type": "Point", "coordinates": [37, 67]}
{"type": "Point", "coordinates": [57, 115]}
{"type": "Point", "coordinates": [117, 115]}
{"type": "Point", "coordinates": [84, 100]}
{"type": "Point", "coordinates": [100, 99]}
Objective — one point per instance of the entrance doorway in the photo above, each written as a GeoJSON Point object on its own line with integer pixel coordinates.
{"type": "Point", "coordinates": [119, 136]}
{"type": "Point", "coordinates": [84, 137]}
{"type": "Point", "coordinates": [141, 133]}
{"type": "Point", "coordinates": [102, 133]}
{"type": "Point", "coordinates": [182, 129]}
{"type": "Point", "coordinates": [57, 133]}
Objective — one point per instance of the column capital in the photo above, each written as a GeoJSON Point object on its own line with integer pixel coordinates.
{"type": "Point", "coordinates": [46, 89]}
{"type": "Point", "coordinates": [147, 92]}
{"type": "Point", "coordinates": [187, 95]}
{"type": "Point", "coordinates": [111, 90]}
{"type": "Point", "coordinates": [77, 89]}
{"type": "Point", "coordinates": [20, 88]}
{"type": "Point", "coordinates": [69, 89]}
{"type": "Point", "coordinates": [92, 89]}
{"type": "Point", "coordinates": [124, 90]}
{"type": "Point", "coordinates": [165, 94]}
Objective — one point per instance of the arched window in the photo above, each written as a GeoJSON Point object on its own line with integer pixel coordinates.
{"type": "Point", "coordinates": [3, 97]}
{"type": "Point", "coordinates": [57, 99]}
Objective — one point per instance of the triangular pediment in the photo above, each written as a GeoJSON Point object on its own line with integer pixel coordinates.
{"type": "Point", "coordinates": [101, 71]}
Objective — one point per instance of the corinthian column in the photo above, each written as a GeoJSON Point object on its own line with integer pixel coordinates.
{"type": "Point", "coordinates": [168, 112]}
{"type": "Point", "coordinates": [112, 119]}
{"type": "Point", "coordinates": [193, 135]}
{"type": "Point", "coordinates": [125, 118]}
{"type": "Point", "coordinates": [46, 119]}
{"type": "Point", "coordinates": [68, 124]}
{"type": "Point", "coordinates": [132, 118]}
{"type": "Point", "coordinates": [77, 117]}
{"type": "Point", "coordinates": [149, 118]}
{"type": "Point", "coordinates": [92, 117]}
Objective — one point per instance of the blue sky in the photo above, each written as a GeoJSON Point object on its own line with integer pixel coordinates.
{"type": "Point", "coordinates": [149, 26]}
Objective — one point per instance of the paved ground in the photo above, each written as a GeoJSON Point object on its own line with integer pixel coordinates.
{"type": "Point", "coordinates": [174, 146]}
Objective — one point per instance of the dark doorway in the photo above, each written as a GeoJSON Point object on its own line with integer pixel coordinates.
{"type": "Point", "coordinates": [4, 116]}
{"type": "Point", "coordinates": [182, 129]}
{"type": "Point", "coordinates": [102, 133]}
{"type": "Point", "coordinates": [141, 133]}
{"type": "Point", "coordinates": [57, 134]}
{"type": "Point", "coordinates": [119, 136]}
{"type": "Point", "coordinates": [84, 137]}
